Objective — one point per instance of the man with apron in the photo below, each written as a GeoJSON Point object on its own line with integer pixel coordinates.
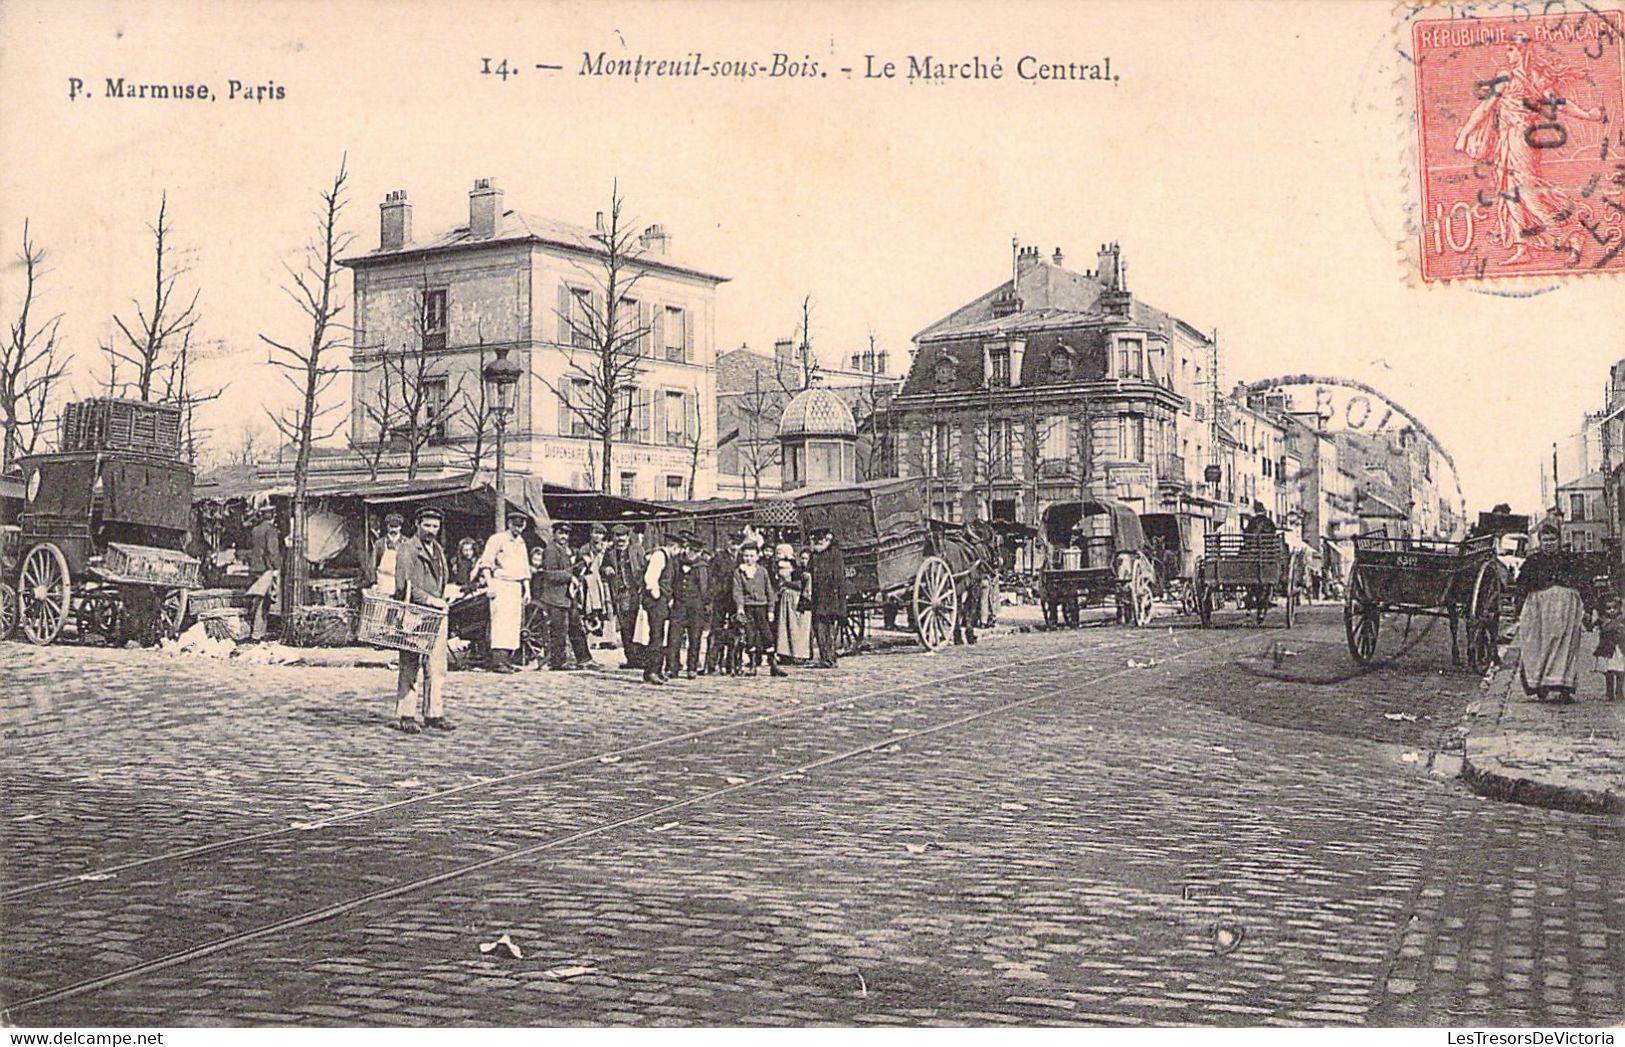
{"type": "Point", "coordinates": [505, 564]}
{"type": "Point", "coordinates": [385, 552]}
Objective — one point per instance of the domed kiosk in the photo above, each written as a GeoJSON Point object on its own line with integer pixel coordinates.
{"type": "Point", "coordinates": [818, 440]}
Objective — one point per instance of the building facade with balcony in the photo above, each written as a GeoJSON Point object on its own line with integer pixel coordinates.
{"type": "Point", "coordinates": [508, 280]}
{"type": "Point", "coordinates": [1058, 386]}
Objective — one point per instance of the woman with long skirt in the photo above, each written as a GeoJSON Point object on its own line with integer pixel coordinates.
{"type": "Point", "coordinates": [795, 610]}
{"type": "Point", "coordinates": [1554, 603]}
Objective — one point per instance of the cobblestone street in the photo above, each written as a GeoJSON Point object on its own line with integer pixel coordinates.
{"type": "Point", "coordinates": [1102, 826]}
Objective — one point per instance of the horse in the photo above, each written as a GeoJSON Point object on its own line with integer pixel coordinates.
{"type": "Point", "coordinates": [972, 554]}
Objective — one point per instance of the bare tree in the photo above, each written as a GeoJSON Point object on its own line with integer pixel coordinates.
{"type": "Point", "coordinates": [29, 362]}
{"type": "Point", "coordinates": [693, 438]}
{"type": "Point", "coordinates": [380, 409]}
{"type": "Point", "coordinates": [804, 370]}
{"type": "Point", "coordinates": [876, 450]}
{"type": "Point", "coordinates": [756, 434]}
{"type": "Point", "coordinates": [474, 413]}
{"type": "Point", "coordinates": [604, 338]}
{"type": "Point", "coordinates": [410, 404]}
{"type": "Point", "coordinates": [309, 365]}
{"type": "Point", "coordinates": [158, 324]}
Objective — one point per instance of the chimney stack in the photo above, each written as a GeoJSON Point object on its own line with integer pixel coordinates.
{"type": "Point", "coordinates": [394, 221]}
{"type": "Point", "coordinates": [1059, 260]}
{"type": "Point", "coordinates": [484, 209]}
{"type": "Point", "coordinates": [598, 223]}
{"type": "Point", "coordinates": [784, 352]}
{"type": "Point", "coordinates": [655, 240]}
{"type": "Point", "coordinates": [1110, 267]}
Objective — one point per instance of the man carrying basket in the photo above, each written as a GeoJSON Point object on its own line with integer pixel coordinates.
{"type": "Point", "coordinates": [420, 578]}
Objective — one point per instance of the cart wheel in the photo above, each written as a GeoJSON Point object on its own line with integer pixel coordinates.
{"type": "Point", "coordinates": [936, 603]}
{"type": "Point", "coordinates": [98, 615]}
{"type": "Point", "coordinates": [1362, 620]}
{"type": "Point", "coordinates": [1140, 595]}
{"type": "Point", "coordinates": [174, 613]}
{"type": "Point", "coordinates": [854, 627]}
{"type": "Point", "coordinates": [1484, 619]}
{"type": "Point", "coordinates": [1204, 603]}
{"type": "Point", "coordinates": [532, 634]}
{"type": "Point", "coordinates": [8, 611]}
{"type": "Point", "coordinates": [44, 593]}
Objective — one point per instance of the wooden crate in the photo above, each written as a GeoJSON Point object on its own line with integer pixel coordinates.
{"type": "Point", "coordinates": [110, 424]}
{"type": "Point", "coordinates": [145, 565]}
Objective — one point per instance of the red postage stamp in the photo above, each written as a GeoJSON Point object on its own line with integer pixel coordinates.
{"type": "Point", "coordinates": [1522, 125]}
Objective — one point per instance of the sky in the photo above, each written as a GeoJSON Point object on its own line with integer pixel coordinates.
{"type": "Point", "coordinates": [1251, 159]}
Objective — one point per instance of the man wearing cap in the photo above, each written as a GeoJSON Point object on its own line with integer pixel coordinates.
{"type": "Point", "coordinates": [505, 565]}
{"type": "Point", "coordinates": [384, 554]}
{"type": "Point", "coordinates": [828, 571]}
{"type": "Point", "coordinates": [622, 568]}
{"type": "Point", "coordinates": [420, 578]}
{"type": "Point", "coordinates": [690, 595]}
{"type": "Point", "coordinates": [265, 561]}
{"type": "Point", "coordinates": [558, 563]}
{"type": "Point", "coordinates": [659, 582]}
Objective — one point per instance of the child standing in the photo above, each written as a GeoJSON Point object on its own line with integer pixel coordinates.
{"type": "Point", "coordinates": [1610, 652]}
{"type": "Point", "coordinates": [753, 596]}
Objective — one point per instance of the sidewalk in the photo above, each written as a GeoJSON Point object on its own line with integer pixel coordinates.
{"type": "Point", "coordinates": [1570, 757]}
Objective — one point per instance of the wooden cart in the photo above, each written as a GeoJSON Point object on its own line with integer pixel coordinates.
{"type": "Point", "coordinates": [1252, 569]}
{"type": "Point", "coordinates": [1097, 552]}
{"type": "Point", "coordinates": [1458, 581]}
{"type": "Point", "coordinates": [895, 559]}
{"type": "Point", "coordinates": [101, 536]}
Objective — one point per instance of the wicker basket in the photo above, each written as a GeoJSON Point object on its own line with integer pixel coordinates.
{"type": "Point", "coordinates": [108, 424]}
{"type": "Point", "coordinates": [317, 625]}
{"type": "Point", "coordinates": [145, 565]}
{"type": "Point", "coordinates": [201, 601]}
{"type": "Point", "coordinates": [226, 623]}
{"type": "Point", "coordinates": [398, 624]}
{"type": "Point", "coordinates": [334, 592]}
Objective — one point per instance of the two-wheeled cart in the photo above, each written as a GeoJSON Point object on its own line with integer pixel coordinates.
{"type": "Point", "coordinates": [1252, 569]}
{"type": "Point", "coordinates": [1424, 577]}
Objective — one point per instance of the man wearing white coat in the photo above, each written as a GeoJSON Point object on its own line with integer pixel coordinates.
{"type": "Point", "coordinates": [505, 564]}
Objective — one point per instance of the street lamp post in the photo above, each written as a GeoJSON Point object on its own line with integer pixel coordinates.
{"type": "Point", "coordinates": [501, 375]}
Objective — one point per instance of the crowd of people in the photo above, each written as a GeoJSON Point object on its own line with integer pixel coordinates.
{"type": "Point", "coordinates": [675, 610]}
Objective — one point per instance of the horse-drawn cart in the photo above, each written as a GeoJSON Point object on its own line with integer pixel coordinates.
{"type": "Point", "coordinates": [1458, 581]}
{"type": "Point", "coordinates": [894, 557]}
{"type": "Point", "coordinates": [1097, 551]}
{"type": "Point", "coordinates": [1253, 569]}
{"type": "Point", "coordinates": [101, 538]}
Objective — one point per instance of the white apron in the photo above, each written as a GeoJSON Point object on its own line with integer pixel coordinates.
{"type": "Point", "coordinates": [507, 608]}
{"type": "Point", "coordinates": [386, 573]}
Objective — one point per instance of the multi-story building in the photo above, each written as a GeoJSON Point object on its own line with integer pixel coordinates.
{"type": "Point", "coordinates": [1057, 385]}
{"type": "Point", "coordinates": [752, 391]}
{"type": "Point", "coordinates": [1583, 523]}
{"type": "Point", "coordinates": [1254, 440]}
{"type": "Point", "coordinates": [511, 280]}
{"type": "Point", "coordinates": [1322, 488]}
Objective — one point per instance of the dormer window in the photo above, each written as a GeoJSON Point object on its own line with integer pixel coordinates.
{"type": "Point", "coordinates": [998, 367]}
{"type": "Point", "coordinates": [1060, 363]}
{"type": "Point", "coordinates": [946, 372]}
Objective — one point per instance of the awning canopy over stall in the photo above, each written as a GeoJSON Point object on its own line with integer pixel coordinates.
{"type": "Point", "coordinates": [462, 492]}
